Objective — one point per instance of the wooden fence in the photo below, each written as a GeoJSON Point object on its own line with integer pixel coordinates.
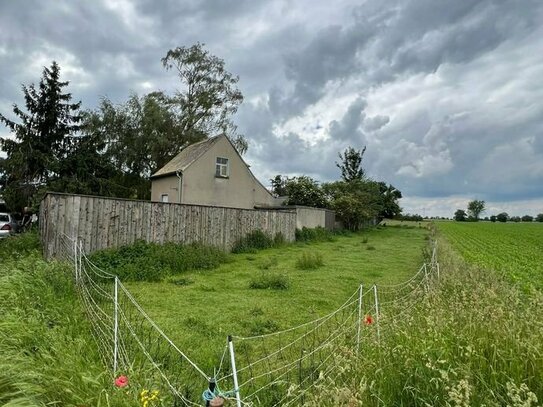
{"type": "Point", "coordinates": [109, 222]}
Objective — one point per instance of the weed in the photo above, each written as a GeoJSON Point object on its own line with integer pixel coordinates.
{"type": "Point", "coordinates": [309, 261]}
{"type": "Point", "coordinates": [365, 240]}
{"type": "Point", "coordinates": [261, 326]}
{"type": "Point", "coordinates": [318, 234]}
{"type": "Point", "coordinates": [256, 240]}
{"type": "Point", "coordinates": [268, 280]}
{"type": "Point", "coordinates": [268, 263]}
{"type": "Point", "coordinates": [142, 261]}
{"type": "Point", "coordinates": [370, 247]}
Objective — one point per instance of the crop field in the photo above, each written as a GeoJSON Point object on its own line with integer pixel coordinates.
{"type": "Point", "coordinates": [513, 249]}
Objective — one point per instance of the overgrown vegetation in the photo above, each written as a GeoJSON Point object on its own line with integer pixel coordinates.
{"type": "Point", "coordinates": [474, 341]}
{"type": "Point", "coordinates": [144, 261]}
{"type": "Point", "coordinates": [318, 234]}
{"type": "Point", "coordinates": [309, 261]}
{"type": "Point", "coordinates": [48, 355]}
{"type": "Point", "coordinates": [270, 280]}
{"type": "Point", "coordinates": [257, 240]}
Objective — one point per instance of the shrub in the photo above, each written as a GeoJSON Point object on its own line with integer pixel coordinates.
{"type": "Point", "coordinates": [256, 240]}
{"type": "Point", "coordinates": [19, 245]}
{"type": "Point", "coordinates": [318, 234]}
{"type": "Point", "coordinates": [309, 261]}
{"type": "Point", "coordinates": [267, 280]}
{"type": "Point", "coordinates": [142, 261]}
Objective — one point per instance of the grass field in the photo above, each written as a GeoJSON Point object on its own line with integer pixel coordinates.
{"type": "Point", "coordinates": [208, 305]}
{"type": "Point", "coordinates": [513, 249]}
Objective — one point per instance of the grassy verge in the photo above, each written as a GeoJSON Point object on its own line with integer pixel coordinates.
{"type": "Point", "coordinates": [48, 355]}
{"type": "Point", "coordinates": [474, 341]}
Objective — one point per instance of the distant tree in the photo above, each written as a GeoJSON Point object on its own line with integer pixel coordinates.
{"type": "Point", "coordinates": [304, 190]}
{"type": "Point", "coordinates": [460, 215]}
{"type": "Point", "coordinates": [279, 185]}
{"type": "Point", "coordinates": [351, 164]}
{"type": "Point", "coordinates": [354, 202]}
{"type": "Point", "coordinates": [486, 218]}
{"type": "Point", "coordinates": [515, 219]}
{"type": "Point", "coordinates": [539, 217]}
{"type": "Point", "coordinates": [208, 96]}
{"type": "Point", "coordinates": [42, 138]}
{"type": "Point", "coordinates": [493, 218]}
{"type": "Point", "coordinates": [527, 218]}
{"type": "Point", "coordinates": [475, 208]}
{"type": "Point", "coordinates": [389, 201]}
{"type": "Point", "coordinates": [502, 217]}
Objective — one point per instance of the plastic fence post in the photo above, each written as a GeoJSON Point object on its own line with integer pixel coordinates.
{"type": "Point", "coordinates": [234, 371]}
{"type": "Point", "coordinates": [115, 324]}
{"type": "Point", "coordinates": [377, 312]}
{"type": "Point", "coordinates": [360, 293]}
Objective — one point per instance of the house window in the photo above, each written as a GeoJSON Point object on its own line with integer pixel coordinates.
{"type": "Point", "coordinates": [164, 198]}
{"type": "Point", "coordinates": [221, 167]}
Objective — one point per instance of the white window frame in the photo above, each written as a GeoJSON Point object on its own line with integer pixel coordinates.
{"type": "Point", "coordinates": [222, 167]}
{"type": "Point", "coordinates": [164, 198]}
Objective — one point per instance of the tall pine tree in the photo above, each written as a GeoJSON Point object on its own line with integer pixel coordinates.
{"type": "Point", "coordinates": [42, 138]}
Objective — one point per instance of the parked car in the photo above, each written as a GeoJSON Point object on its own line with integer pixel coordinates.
{"type": "Point", "coordinates": [8, 225]}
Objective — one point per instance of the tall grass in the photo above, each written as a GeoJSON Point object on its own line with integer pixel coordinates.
{"type": "Point", "coordinates": [142, 261]}
{"type": "Point", "coordinates": [474, 340]}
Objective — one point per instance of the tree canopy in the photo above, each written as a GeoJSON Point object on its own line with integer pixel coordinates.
{"type": "Point", "coordinates": [475, 208]}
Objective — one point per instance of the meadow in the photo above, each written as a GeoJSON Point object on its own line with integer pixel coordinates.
{"type": "Point", "coordinates": [474, 339]}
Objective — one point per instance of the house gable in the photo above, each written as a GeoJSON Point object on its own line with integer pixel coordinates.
{"type": "Point", "coordinates": [218, 176]}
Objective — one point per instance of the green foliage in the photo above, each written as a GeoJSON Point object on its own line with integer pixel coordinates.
{"type": "Point", "coordinates": [351, 164]}
{"type": "Point", "coordinates": [475, 208]}
{"type": "Point", "coordinates": [460, 215]}
{"type": "Point", "coordinates": [181, 281]}
{"type": "Point", "coordinates": [270, 280]}
{"type": "Point", "coordinates": [142, 261]}
{"type": "Point", "coordinates": [208, 97]}
{"type": "Point", "coordinates": [305, 191]}
{"type": "Point", "coordinates": [527, 218]}
{"type": "Point", "coordinates": [309, 261]}
{"type": "Point", "coordinates": [268, 263]}
{"type": "Point", "coordinates": [42, 140]}
{"type": "Point", "coordinates": [318, 234]}
{"type": "Point", "coordinates": [18, 246]}
{"type": "Point", "coordinates": [279, 185]}
{"type": "Point", "coordinates": [255, 240]}
{"type": "Point", "coordinates": [502, 217]}
{"type": "Point", "coordinates": [370, 247]}
{"type": "Point", "coordinates": [539, 217]}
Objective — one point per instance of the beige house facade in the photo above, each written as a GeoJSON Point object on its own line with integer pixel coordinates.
{"type": "Point", "coordinates": [211, 173]}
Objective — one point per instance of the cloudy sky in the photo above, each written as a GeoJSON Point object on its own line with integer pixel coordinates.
{"type": "Point", "coordinates": [446, 95]}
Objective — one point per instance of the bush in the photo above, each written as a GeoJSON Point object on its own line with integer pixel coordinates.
{"type": "Point", "coordinates": [142, 261]}
{"type": "Point", "coordinates": [318, 234]}
{"type": "Point", "coordinates": [256, 240]}
{"type": "Point", "coordinates": [267, 280]}
{"type": "Point", "coordinates": [309, 261]}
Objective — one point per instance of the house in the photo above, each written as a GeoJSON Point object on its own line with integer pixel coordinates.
{"type": "Point", "coordinates": [212, 173]}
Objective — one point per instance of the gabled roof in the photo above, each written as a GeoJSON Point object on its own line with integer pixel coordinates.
{"type": "Point", "coordinates": [186, 157]}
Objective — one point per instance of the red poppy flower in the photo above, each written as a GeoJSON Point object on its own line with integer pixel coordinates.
{"type": "Point", "coordinates": [368, 319]}
{"type": "Point", "coordinates": [121, 381]}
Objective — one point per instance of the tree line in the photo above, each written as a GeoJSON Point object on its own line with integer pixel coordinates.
{"type": "Point", "coordinates": [113, 149]}
{"type": "Point", "coordinates": [476, 208]}
{"type": "Point", "coordinates": [355, 197]}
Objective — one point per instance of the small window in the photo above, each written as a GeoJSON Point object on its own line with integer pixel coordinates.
{"type": "Point", "coordinates": [221, 167]}
{"type": "Point", "coordinates": [164, 198]}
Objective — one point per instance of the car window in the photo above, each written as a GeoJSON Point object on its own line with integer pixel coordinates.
{"type": "Point", "coordinates": [4, 218]}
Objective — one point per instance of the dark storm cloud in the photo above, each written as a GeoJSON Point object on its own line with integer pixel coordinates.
{"type": "Point", "coordinates": [446, 95]}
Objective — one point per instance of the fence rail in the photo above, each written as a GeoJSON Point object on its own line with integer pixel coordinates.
{"type": "Point", "coordinates": [103, 222]}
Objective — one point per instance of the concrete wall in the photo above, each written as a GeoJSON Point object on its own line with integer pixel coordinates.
{"type": "Point", "coordinates": [200, 186]}
{"type": "Point", "coordinates": [107, 222]}
{"type": "Point", "coordinates": [309, 217]}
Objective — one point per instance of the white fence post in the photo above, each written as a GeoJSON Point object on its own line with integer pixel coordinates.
{"type": "Point", "coordinates": [426, 286]}
{"type": "Point", "coordinates": [115, 324]}
{"type": "Point", "coordinates": [377, 312]}
{"type": "Point", "coordinates": [360, 293]}
{"type": "Point", "coordinates": [234, 371]}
